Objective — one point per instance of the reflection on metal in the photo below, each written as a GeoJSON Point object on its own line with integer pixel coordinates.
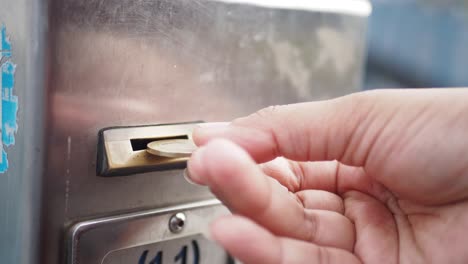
{"type": "Point", "coordinates": [89, 242]}
{"type": "Point", "coordinates": [351, 7]}
{"type": "Point", "coordinates": [177, 222]}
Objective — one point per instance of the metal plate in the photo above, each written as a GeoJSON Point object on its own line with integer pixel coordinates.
{"type": "Point", "coordinates": [125, 238]}
{"type": "Point", "coordinates": [190, 250]}
{"type": "Point", "coordinates": [125, 63]}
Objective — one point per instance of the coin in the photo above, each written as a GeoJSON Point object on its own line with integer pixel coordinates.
{"type": "Point", "coordinates": [172, 148]}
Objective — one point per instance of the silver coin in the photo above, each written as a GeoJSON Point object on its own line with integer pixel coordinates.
{"type": "Point", "coordinates": [172, 148]}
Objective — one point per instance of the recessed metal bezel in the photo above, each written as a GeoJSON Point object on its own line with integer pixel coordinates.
{"type": "Point", "coordinates": [90, 241]}
{"type": "Point", "coordinates": [116, 156]}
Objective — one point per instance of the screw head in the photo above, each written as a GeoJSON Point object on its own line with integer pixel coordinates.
{"type": "Point", "coordinates": [177, 223]}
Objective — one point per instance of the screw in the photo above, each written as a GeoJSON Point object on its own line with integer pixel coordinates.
{"type": "Point", "coordinates": [177, 223]}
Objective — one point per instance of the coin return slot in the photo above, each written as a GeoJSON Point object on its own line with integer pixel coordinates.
{"type": "Point", "coordinates": [122, 151]}
{"type": "Point", "coordinates": [142, 143]}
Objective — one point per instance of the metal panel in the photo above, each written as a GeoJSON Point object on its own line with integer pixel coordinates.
{"type": "Point", "coordinates": [109, 239]}
{"type": "Point", "coordinates": [26, 25]}
{"type": "Point", "coordinates": [124, 63]}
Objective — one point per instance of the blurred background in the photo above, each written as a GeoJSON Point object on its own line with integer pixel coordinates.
{"type": "Point", "coordinates": [418, 43]}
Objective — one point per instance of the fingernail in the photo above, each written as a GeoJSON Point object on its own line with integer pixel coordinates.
{"type": "Point", "coordinates": [213, 125]}
{"type": "Point", "coordinates": [195, 160]}
{"type": "Point", "coordinates": [188, 178]}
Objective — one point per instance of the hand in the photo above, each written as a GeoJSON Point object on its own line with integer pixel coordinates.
{"type": "Point", "coordinates": [375, 177]}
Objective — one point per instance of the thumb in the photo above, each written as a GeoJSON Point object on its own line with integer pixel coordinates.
{"type": "Point", "coordinates": [315, 131]}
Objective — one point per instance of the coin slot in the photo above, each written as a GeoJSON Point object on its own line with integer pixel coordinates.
{"type": "Point", "coordinates": [123, 151]}
{"type": "Point", "coordinates": [141, 143]}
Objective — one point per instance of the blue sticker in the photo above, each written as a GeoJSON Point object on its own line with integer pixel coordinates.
{"type": "Point", "coordinates": [9, 103]}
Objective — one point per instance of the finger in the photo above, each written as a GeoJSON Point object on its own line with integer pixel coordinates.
{"type": "Point", "coordinates": [281, 169]}
{"type": "Point", "coordinates": [252, 244]}
{"type": "Point", "coordinates": [237, 181]}
{"type": "Point", "coordinates": [376, 227]}
{"type": "Point", "coordinates": [329, 176]}
{"type": "Point", "coordinates": [321, 200]}
{"type": "Point", "coordinates": [330, 229]}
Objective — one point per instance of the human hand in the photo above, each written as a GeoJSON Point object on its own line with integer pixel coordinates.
{"type": "Point", "coordinates": [397, 192]}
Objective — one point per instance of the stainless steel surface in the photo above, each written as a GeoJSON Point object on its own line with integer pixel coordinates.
{"type": "Point", "coordinates": [123, 150]}
{"type": "Point", "coordinates": [124, 63]}
{"type": "Point", "coordinates": [20, 186]}
{"type": "Point", "coordinates": [177, 222]}
{"type": "Point", "coordinates": [91, 241]}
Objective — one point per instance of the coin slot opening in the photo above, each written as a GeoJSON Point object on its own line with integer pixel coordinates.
{"type": "Point", "coordinates": [142, 143]}
{"type": "Point", "coordinates": [123, 151]}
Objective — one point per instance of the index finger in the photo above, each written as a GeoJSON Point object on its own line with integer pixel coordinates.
{"type": "Point", "coordinates": [237, 181]}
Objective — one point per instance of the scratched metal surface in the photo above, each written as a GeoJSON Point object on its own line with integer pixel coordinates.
{"type": "Point", "coordinates": [20, 186]}
{"type": "Point", "coordinates": [127, 62]}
